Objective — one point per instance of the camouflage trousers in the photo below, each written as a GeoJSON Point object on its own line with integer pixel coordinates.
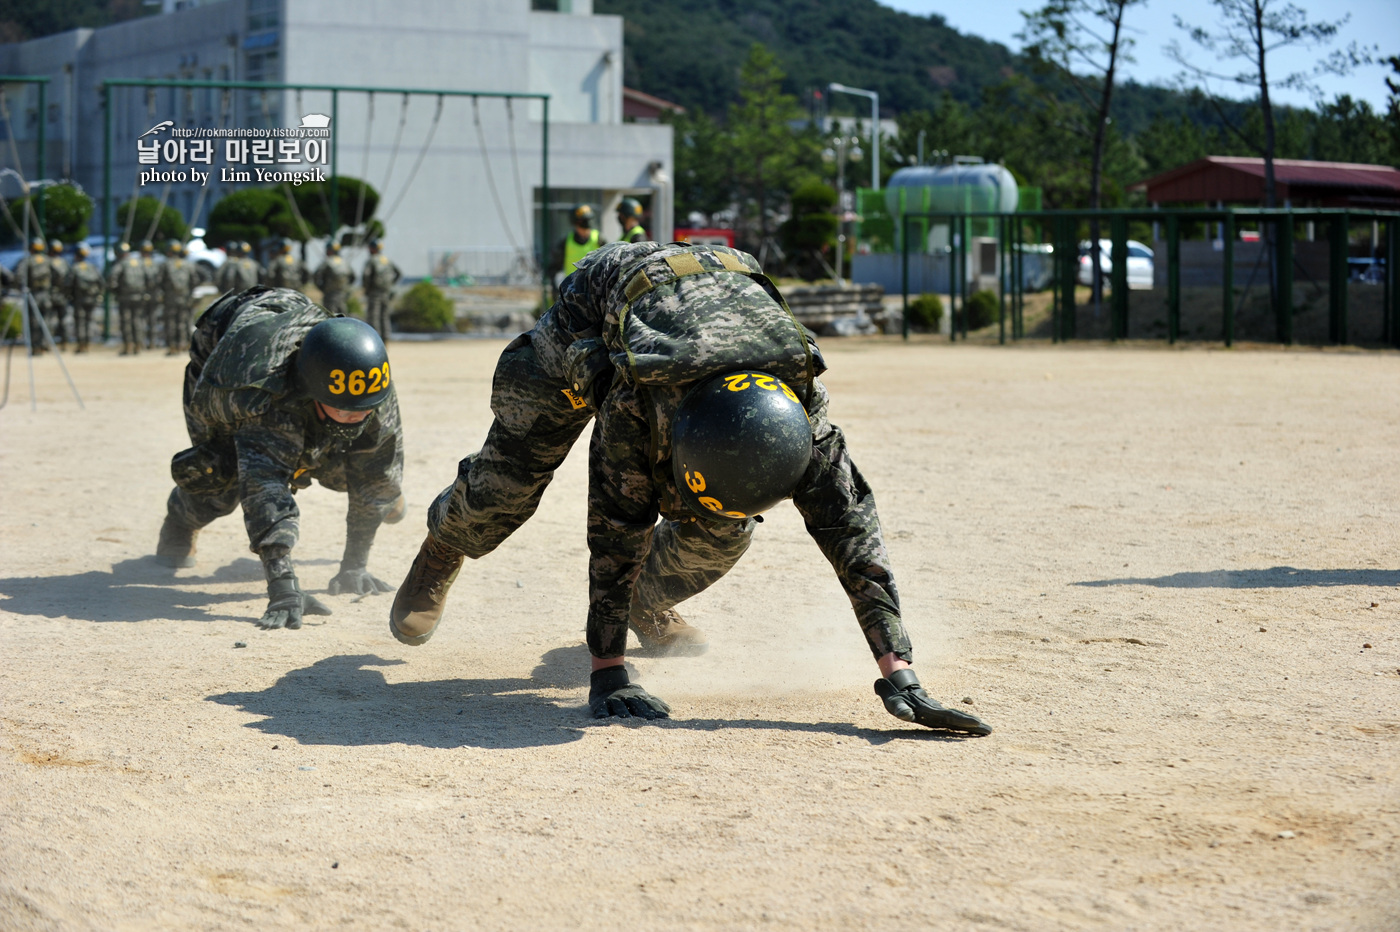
{"type": "Point", "coordinates": [537, 421]}
{"type": "Point", "coordinates": [82, 321]}
{"type": "Point", "coordinates": [337, 302]}
{"type": "Point", "coordinates": [150, 319]}
{"type": "Point", "coordinates": [197, 508]}
{"type": "Point", "coordinates": [57, 315]}
{"type": "Point", "coordinates": [377, 312]}
{"type": "Point", "coordinates": [131, 309]}
{"type": "Point", "coordinates": [38, 311]}
{"type": "Point", "coordinates": [177, 324]}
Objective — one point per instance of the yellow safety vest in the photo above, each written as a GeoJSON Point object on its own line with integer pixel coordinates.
{"type": "Point", "coordinates": [574, 251]}
{"type": "Point", "coordinates": [635, 235]}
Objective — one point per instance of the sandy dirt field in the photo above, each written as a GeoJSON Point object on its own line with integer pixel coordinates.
{"type": "Point", "coordinates": [1167, 577]}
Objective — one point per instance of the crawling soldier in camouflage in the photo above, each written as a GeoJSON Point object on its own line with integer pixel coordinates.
{"type": "Point", "coordinates": [637, 330]}
{"type": "Point", "coordinates": [277, 393]}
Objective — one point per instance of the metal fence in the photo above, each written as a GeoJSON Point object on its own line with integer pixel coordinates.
{"type": "Point", "coordinates": [1276, 262]}
{"type": "Point", "coordinates": [483, 265]}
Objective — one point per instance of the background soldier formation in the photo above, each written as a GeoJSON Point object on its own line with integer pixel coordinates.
{"type": "Point", "coordinates": [156, 299]}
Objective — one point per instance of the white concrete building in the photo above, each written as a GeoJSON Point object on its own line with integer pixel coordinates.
{"type": "Point", "coordinates": [469, 185]}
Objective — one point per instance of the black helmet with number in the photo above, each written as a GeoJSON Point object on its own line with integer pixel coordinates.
{"type": "Point", "coordinates": [342, 364]}
{"type": "Point", "coordinates": [740, 443]}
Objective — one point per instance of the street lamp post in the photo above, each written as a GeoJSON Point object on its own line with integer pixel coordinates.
{"type": "Point", "coordinates": [844, 146]}
{"type": "Point", "coordinates": [874, 127]}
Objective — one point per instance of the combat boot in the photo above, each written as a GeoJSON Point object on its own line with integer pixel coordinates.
{"type": "Point", "coordinates": [176, 546]}
{"type": "Point", "coordinates": [419, 603]}
{"type": "Point", "coordinates": [667, 633]}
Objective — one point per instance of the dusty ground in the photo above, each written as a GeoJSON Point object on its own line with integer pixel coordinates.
{"type": "Point", "coordinates": [1155, 572]}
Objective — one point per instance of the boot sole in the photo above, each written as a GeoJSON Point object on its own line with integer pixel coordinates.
{"type": "Point", "coordinates": [412, 640]}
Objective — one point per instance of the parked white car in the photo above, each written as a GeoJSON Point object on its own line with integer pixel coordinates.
{"type": "Point", "coordinates": [198, 252]}
{"type": "Point", "coordinates": [1139, 264]}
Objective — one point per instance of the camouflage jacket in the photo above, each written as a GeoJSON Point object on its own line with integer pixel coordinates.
{"type": "Point", "coordinates": [39, 270]}
{"type": "Point", "coordinates": [285, 272]}
{"type": "Point", "coordinates": [58, 275]}
{"type": "Point", "coordinates": [176, 280]}
{"type": "Point", "coordinates": [334, 275]}
{"type": "Point", "coordinates": [380, 275]}
{"type": "Point", "coordinates": [237, 274]}
{"type": "Point", "coordinates": [84, 284]}
{"type": "Point", "coordinates": [132, 277]}
{"type": "Point", "coordinates": [243, 392]}
{"type": "Point", "coordinates": [702, 311]}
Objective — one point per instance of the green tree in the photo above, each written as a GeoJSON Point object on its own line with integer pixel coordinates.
{"type": "Point", "coordinates": [252, 214]}
{"type": "Point", "coordinates": [147, 218]}
{"type": "Point", "coordinates": [766, 151]}
{"type": "Point", "coordinates": [811, 230]}
{"type": "Point", "coordinates": [67, 211]}
{"type": "Point", "coordinates": [704, 165]}
{"type": "Point", "coordinates": [356, 202]}
{"type": "Point", "coordinates": [424, 309]}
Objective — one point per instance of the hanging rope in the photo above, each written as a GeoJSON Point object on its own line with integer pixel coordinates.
{"type": "Point", "coordinates": [525, 199]}
{"type": "Point", "coordinates": [19, 166]}
{"type": "Point", "coordinates": [204, 188]}
{"type": "Point", "coordinates": [398, 137]}
{"type": "Point", "coordinates": [432, 131]}
{"type": "Point", "coordinates": [491, 178]}
{"type": "Point", "coordinates": [160, 211]}
{"type": "Point", "coordinates": [296, 212]}
{"type": "Point", "coordinates": [364, 168]}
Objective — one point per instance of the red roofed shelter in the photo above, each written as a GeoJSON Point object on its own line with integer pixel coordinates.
{"type": "Point", "coordinates": [1227, 179]}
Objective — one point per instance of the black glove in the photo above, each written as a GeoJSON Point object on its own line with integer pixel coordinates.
{"type": "Point", "coordinates": [356, 580]}
{"type": "Point", "coordinates": [286, 603]}
{"type": "Point", "coordinates": [611, 694]}
{"type": "Point", "coordinates": [906, 700]}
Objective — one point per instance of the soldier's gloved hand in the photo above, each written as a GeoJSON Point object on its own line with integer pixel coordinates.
{"type": "Point", "coordinates": [906, 700]}
{"type": "Point", "coordinates": [611, 693]}
{"type": "Point", "coordinates": [356, 580]}
{"type": "Point", "coordinates": [286, 604]}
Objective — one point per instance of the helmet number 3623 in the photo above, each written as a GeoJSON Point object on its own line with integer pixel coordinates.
{"type": "Point", "coordinates": [357, 383]}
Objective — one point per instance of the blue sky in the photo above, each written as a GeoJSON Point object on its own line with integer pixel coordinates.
{"type": "Point", "coordinates": [1372, 22]}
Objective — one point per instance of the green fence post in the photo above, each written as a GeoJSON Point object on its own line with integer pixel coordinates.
{"type": "Point", "coordinates": [965, 229]}
{"type": "Point", "coordinates": [1118, 276]}
{"type": "Point", "coordinates": [1003, 258]}
{"type": "Point", "coordinates": [1070, 252]}
{"type": "Point", "coordinates": [1285, 278]}
{"type": "Point", "coordinates": [1173, 278]}
{"type": "Point", "coordinates": [1227, 290]}
{"type": "Point", "coordinates": [43, 145]}
{"type": "Point", "coordinates": [1337, 279]}
{"type": "Point", "coordinates": [334, 219]}
{"type": "Point", "coordinates": [1392, 277]}
{"type": "Point", "coordinates": [106, 207]}
{"type": "Point", "coordinates": [904, 271]}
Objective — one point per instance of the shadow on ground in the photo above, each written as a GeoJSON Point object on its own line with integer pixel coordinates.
{"type": "Point", "coordinates": [139, 589]}
{"type": "Point", "coordinates": [347, 701]}
{"type": "Point", "coordinates": [1277, 577]}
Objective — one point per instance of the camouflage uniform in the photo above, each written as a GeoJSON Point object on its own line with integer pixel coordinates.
{"type": "Point", "coordinates": [84, 289]}
{"type": "Point", "coordinates": [238, 273]}
{"type": "Point", "coordinates": [703, 310]}
{"type": "Point", "coordinates": [129, 280]}
{"type": "Point", "coordinates": [286, 271]}
{"type": "Point", "coordinates": [58, 300]}
{"type": "Point", "coordinates": [176, 281]}
{"type": "Point", "coordinates": [379, 277]}
{"type": "Point", "coordinates": [257, 438]}
{"type": "Point", "coordinates": [334, 278]}
{"type": "Point", "coordinates": [39, 269]}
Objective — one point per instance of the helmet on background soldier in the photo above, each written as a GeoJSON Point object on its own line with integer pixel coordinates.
{"type": "Point", "coordinates": [740, 443]}
{"type": "Point", "coordinates": [332, 248]}
{"type": "Point", "coordinates": [582, 216]}
{"type": "Point", "coordinates": [629, 207]}
{"type": "Point", "coordinates": [172, 247]}
{"type": "Point", "coordinates": [342, 364]}
{"type": "Point", "coordinates": [82, 249]}
{"type": "Point", "coordinates": [123, 248]}
{"type": "Point", "coordinates": [287, 248]}
{"type": "Point", "coordinates": [245, 248]}
{"type": "Point", "coordinates": [55, 247]}
{"type": "Point", "coordinates": [147, 247]}
{"type": "Point", "coordinates": [374, 247]}
{"type": "Point", "coordinates": [36, 245]}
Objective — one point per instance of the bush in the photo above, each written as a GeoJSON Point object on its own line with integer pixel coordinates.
{"type": "Point", "coordinates": [141, 213]}
{"type": "Point", "coordinates": [67, 211]}
{"type": "Point", "coordinates": [424, 309]}
{"type": "Point", "coordinates": [354, 307]}
{"type": "Point", "coordinates": [926, 313]}
{"type": "Point", "coordinates": [981, 309]}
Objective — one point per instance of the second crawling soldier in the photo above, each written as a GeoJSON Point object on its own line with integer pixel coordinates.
{"type": "Point", "coordinates": [278, 393]}
{"type": "Point", "coordinates": [334, 277]}
{"type": "Point", "coordinates": [128, 280]}
{"type": "Point", "coordinates": [639, 333]}
{"type": "Point", "coordinates": [176, 283]}
{"type": "Point", "coordinates": [379, 277]}
{"type": "Point", "coordinates": [83, 288]}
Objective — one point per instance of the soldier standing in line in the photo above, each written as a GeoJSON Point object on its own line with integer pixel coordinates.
{"type": "Point", "coordinates": [83, 288]}
{"type": "Point", "coordinates": [286, 271]}
{"type": "Point", "coordinates": [35, 272]}
{"type": "Point", "coordinates": [177, 280]}
{"type": "Point", "coordinates": [239, 271]}
{"type": "Point", "coordinates": [715, 391]}
{"type": "Point", "coordinates": [334, 277]}
{"type": "Point", "coordinates": [58, 300]}
{"type": "Point", "coordinates": [278, 393]}
{"type": "Point", "coordinates": [379, 277]}
{"type": "Point", "coordinates": [127, 282]}
{"type": "Point", "coordinates": [629, 214]}
{"type": "Point", "coordinates": [150, 307]}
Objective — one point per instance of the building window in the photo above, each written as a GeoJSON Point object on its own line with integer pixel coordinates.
{"type": "Point", "coordinates": [264, 14]}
